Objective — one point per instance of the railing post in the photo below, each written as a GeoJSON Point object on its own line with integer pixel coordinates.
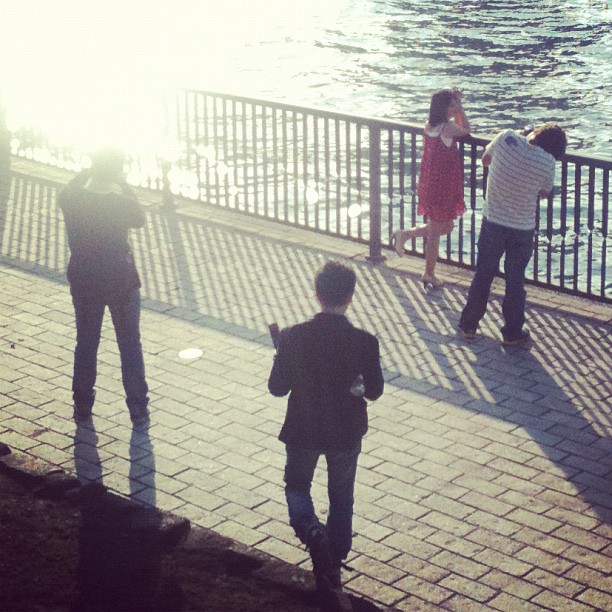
{"type": "Point", "coordinates": [5, 159]}
{"type": "Point", "coordinates": [375, 212]}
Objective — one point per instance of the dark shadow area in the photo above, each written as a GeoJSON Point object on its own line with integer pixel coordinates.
{"type": "Point", "coordinates": [121, 545]}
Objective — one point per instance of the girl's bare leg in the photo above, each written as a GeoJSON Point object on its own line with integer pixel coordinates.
{"type": "Point", "coordinates": [400, 237]}
{"type": "Point", "coordinates": [436, 229]}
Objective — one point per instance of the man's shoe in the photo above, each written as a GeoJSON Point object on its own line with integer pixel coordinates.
{"type": "Point", "coordinates": [317, 543]}
{"type": "Point", "coordinates": [522, 337]}
{"type": "Point", "coordinates": [467, 334]}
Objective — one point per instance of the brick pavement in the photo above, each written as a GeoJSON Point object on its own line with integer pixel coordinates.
{"type": "Point", "coordinates": [485, 480]}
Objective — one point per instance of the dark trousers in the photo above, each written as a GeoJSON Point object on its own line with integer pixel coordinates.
{"type": "Point", "coordinates": [341, 471]}
{"type": "Point", "coordinates": [125, 313]}
{"type": "Point", "coordinates": [495, 240]}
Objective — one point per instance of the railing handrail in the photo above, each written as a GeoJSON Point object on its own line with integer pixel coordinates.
{"type": "Point", "coordinates": [598, 161]}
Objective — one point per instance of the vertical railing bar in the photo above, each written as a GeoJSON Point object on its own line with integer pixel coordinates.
{"type": "Point", "coordinates": [604, 228]}
{"type": "Point", "coordinates": [275, 158]}
{"type": "Point", "coordinates": [389, 180]}
{"type": "Point", "coordinates": [473, 194]}
{"type": "Point", "coordinates": [563, 219]}
{"type": "Point", "coordinates": [590, 227]}
{"type": "Point", "coordinates": [225, 154]}
{"type": "Point", "coordinates": [577, 214]}
{"type": "Point", "coordinates": [317, 175]}
{"type": "Point", "coordinates": [245, 158]}
{"type": "Point", "coordinates": [358, 182]}
{"type": "Point", "coordinates": [296, 198]}
{"type": "Point", "coordinates": [413, 186]}
{"type": "Point", "coordinates": [549, 237]}
{"type": "Point", "coordinates": [402, 186]}
{"type": "Point", "coordinates": [390, 170]}
{"type": "Point", "coordinates": [327, 160]}
{"type": "Point", "coordinates": [375, 212]}
{"type": "Point", "coordinates": [235, 150]}
{"type": "Point", "coordinates": [305, 167]}
{"type": "Point", "coordinates": [338, 149]}
{"type": "Point", "coordinates": [347, 162]}
{"type": "Point", "coordinates": [264, 147]}
{"type": "Point", "coordinates": [254, 147]}
{"type": "Point", "coordinates": [536, 238]}
{"type": "Point", "coordinates": [285, 167]}
{"type": "Point", "coordinates": [216, 147]}
{"type": "Point", "coordinates": [206, 137]}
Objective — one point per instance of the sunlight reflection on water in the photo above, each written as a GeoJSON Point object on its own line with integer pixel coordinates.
{"type": "Point", "coordinates": [91, 72]}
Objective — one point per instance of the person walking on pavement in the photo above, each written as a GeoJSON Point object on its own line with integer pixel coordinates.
{"type": "Point", "coordinates": [99, 209]}
{"type": "Point", "coordinates": [328, 367]}
{"type": "Point", "coordinates": [440, 186]}
{"type": "Point", "coordinates": [521, 169]}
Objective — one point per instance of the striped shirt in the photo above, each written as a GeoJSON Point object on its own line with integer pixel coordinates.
{"type": "Point", "coordinates": [517, 173]}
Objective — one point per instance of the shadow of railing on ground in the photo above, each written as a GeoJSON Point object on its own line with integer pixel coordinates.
{"type": "Point", "coordinates": [552, 398]}
{"type": "Point", "coordinates": [209, 274]}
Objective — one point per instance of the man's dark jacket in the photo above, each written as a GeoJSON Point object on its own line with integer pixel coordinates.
{"type": "Point", "coordinates": [317, 362]}
{"type": "Point", "coordinates": [101, 262]}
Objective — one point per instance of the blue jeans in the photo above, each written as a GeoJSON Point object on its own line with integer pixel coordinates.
{"type": "Point", "coordinates": [125, 313]}
{"type": "Point", "coordinates": [341, 471]}
{"type": "Point", "coordinates": [495, 240]}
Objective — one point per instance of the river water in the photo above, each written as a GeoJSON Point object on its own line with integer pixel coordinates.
{"type": "Point", "coordinates": [519, 63]}
{"type": "Point", "coordinates": [84, 69]}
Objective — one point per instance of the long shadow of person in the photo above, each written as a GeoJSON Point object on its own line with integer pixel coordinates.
{"type": "Point", "coordinates": [122, 541]}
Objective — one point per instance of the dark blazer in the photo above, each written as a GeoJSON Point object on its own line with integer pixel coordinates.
{"type": "Point", "coordinates": [101, 260]}
{"type": "Point", "coordinates": [317, 362]}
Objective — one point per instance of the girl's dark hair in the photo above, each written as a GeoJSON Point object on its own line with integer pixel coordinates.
{"type": "Point", "coordinates": [438, 109]}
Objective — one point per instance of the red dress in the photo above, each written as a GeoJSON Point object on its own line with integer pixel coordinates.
{"type": "Point", "coordinates": [440, 187]}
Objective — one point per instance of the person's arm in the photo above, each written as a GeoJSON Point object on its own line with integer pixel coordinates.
{"type": "Point", "coordinates": [135, 216]}
{"type": "Point", "coordinates": [460, 118]}
{"type": "Point", "coordinates": [75, 183]}
{"type": "Point", "coordinates": [278, 382]}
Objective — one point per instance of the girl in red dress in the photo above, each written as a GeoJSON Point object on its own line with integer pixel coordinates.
{"type": "Point", "coordinates": [440, 186]}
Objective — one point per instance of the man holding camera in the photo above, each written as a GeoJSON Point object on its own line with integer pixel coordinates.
{"type": "Point", "coordinates": [99, 209]}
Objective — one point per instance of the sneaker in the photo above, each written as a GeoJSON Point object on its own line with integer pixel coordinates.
{"type": "Point", "coordinates": [467, 334]}
{"type": "Point", "coordinates": [522, 337]}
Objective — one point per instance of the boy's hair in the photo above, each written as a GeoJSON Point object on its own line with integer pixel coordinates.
{"type": "Point", "coordinates": [438, 107]}
{"type": "Point", "coordinates": [107, 163]}
{"type": "Point", "coordinates": [335, 284]}
{"type": "Point", "coordinates": [550, 137]}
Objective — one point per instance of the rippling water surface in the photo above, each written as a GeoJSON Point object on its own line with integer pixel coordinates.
{"type": "Point", "coordinates": [73, 67]}
{"type": "Point", "coordinates": [519, 63]}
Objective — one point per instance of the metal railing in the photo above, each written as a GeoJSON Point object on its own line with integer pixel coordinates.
{"type": "Point", "coordinates": [356, 178]}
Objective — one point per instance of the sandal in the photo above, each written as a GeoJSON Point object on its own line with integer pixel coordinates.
{"type": "Point", "coordinates": [395, 243]}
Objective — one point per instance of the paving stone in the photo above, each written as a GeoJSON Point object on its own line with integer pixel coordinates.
{"type": "Point", "coordinates": [478, 459]}
{"type": "Point", "coordinates": [424, 590]}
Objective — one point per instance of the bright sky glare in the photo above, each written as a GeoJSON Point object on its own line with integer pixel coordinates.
{"type": "Point", "coordinates": [95, 72]}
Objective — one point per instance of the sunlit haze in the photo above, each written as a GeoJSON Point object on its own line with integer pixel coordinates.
{"type": "Point", "coordinates": [97, 72]}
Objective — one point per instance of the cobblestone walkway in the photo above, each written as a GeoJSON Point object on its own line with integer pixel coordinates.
{"type": "Point", "coordinates": [485, 480]}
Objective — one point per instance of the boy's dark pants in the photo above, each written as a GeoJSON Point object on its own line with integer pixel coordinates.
{"type": "Point", "coordinates": [341, 470]}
